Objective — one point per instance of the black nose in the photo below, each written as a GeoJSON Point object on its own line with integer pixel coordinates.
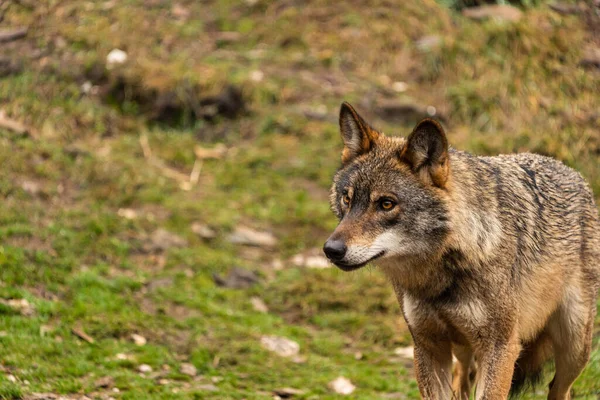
{"type": "Point", "coordinates": [335, 250]}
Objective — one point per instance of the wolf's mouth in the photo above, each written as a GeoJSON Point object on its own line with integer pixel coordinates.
{"type": "Point", "coordinates": [351, 267]}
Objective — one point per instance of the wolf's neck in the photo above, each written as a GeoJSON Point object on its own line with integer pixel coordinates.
{"type": "Point", "coordinates": [475, 229]}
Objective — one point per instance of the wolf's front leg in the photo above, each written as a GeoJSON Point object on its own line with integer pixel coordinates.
{"type": "Point", "coordinates": [433, 367]}
{"type": "Point", "coordinates": [496, 366]}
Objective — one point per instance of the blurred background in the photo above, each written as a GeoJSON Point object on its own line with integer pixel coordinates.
{"type": "Point", "coordinates": [165, 175]}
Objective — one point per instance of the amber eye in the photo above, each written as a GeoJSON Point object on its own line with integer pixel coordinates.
{"type": "Point", "coordinates": [346, 199]}
{"type": "Point", "coordinates": [387, 204]}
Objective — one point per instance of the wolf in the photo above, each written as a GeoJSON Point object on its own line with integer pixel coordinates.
{"type": "Point", "coordinates": [495, 261]}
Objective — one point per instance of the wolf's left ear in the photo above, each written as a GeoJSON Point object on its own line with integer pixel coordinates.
{"type": "Point", "coordinates": [357, 135]}
{"type": "Point", "coordinates": [426, 152]}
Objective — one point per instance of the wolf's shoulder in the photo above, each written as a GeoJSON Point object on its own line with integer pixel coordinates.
{"type": "Point", "coordinates": [544, 167]}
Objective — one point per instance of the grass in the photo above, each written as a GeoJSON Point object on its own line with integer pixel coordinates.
{"type": "Point", "coordinates": [68, 250]}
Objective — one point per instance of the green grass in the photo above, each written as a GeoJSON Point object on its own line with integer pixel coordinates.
{"type": "Point", "coordinates": [66, 248]}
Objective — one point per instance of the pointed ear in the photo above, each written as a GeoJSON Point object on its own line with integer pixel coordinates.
{"type": "Point", "coordinates": [426, 152]}
{"type": "Point", "coordinates": [357, 135]}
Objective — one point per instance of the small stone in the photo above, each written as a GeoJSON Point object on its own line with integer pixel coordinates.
{"type": "Point", "coordinates": [299, 359]}
{"type": "Point", "coordinates": [115, 57]}
{"type": "Point", "coordinates": [11, 378]}
{"type": "Point", "coordinates": [215, 153]}
{"type": "Point", "coordinates": [318, 113]}
{"type": "Point", "coordinates": [188, 369]}
{"type": "Point", "coordinates": [277, 264]}
{"type": "Point", "coordinates": [145, 368]}
{"type": "Point", "coordinates": [312, 258]}
{"type": "Point", "coordinates": [204, 231]}
{"type": "Point", "coordinates": [501, 12]}
{"type": "Point", "coordinates": [180, 11]}
{"type": "Point", "coordinates": [127, 213]}
{"type": "Point", "coordinates": [280, 345]}
{"type": "Point", "coordinates": [123, 357]}
{"type": "Point", "coordinates": [30, 187]}
{"type": "Point", "coordinates": [342, 386]}
{"type": "Point", "coordinates": [104, 382]}
{"type": "Point", "coordinates": [259, 305]}
{"type": "Point", "coordinates": [591, 57]}
{"type": "Point", "coordinates": [20, 305]}
{"type": "Point", "coordinates": [250, 237]}
{"type": "Point", "coordinates": [287, 392]}
{"type": "Point", "coordinates": [139, 340]}
{"type": "Point", "coordinates": [257, 76]}
{"type": "Point", "coordinates": [86, 87]}
{"type": "Point", "coordinates": [162, 240]}
{"type": "Point", "coordinates": [208, 387]}
{"type": "Point", "coordinates": [394, 395]}
{"type": "Point", "coordinates": [238, 278]}
{"type": "Point", "coordinates": [358, 355]}
{"type": "Point", "coordinates": [163, 381]}
{"type": "Point", "coordinates": [399, 87]}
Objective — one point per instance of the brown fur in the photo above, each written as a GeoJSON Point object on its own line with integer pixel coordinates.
{"type": "Point", "coordinates": [494, 259]}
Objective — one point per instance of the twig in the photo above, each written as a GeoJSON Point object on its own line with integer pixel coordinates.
{"type": "Point", "coordinates": [145, 146]}
{"type": "Point", "coordinates": [195, 174]}
{"type": "Point", "coordinates": [8, 35]}
{"type": "Point", "coordinates": [184, 180]}
{"type": "Point", "coordinates": [82, 335]}
{"type": "Point", "coordinates": [14, 126]}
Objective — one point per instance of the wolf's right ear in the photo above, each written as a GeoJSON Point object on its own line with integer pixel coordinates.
{"type": "Point", "coordinates": [357, 135]}
{"type": "Point", "coordinates": [426, 152]}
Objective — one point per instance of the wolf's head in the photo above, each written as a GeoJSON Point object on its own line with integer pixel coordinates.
{"type": "Point", "coordinates": [389, 193]}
